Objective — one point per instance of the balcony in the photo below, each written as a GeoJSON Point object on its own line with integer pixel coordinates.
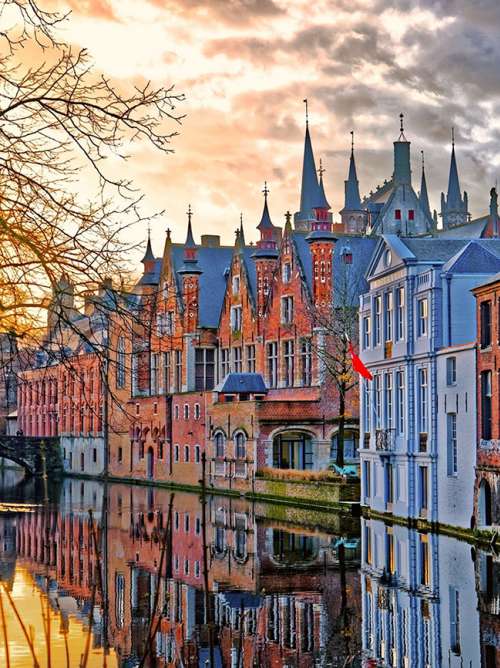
{"type": "Point", "coordinates": [385, 440]}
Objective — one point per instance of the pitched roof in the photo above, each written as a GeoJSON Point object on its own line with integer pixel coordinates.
{"type": "Point", "coordinates": [309, 189]}
{"type": "Point", "coordinates": [453, 197]}
{"type": "Point", "coordinates": [237, 383]}
{"type": "Point", "coordinates": [473, 230]}
{"type": "Point", "coordinates": [352, 200]}
{"type": "Point", "coordinates": [477, 257]}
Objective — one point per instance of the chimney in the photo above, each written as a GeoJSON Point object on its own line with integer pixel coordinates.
{"type": "Point", "coordinates": [210, 240]}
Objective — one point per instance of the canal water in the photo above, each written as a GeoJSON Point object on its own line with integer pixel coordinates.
{"type": "Point", "coordinates": [121, 575]}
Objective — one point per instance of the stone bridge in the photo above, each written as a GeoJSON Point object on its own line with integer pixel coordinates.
{"type": "Point", "coordinates": [35, 454]}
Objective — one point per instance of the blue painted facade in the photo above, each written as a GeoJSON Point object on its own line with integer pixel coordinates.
{"type": "Point", "coordinates": [418, 303]}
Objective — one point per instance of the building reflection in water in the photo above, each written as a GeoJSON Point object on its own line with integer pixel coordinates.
{"type": "Point", "coordinates": [280, 594]}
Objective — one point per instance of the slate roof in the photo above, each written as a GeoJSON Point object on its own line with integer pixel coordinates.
{"type": "Point", "coordinates": [429, 249]}
{"type": "Point", "coordinates": [361, 248]}
{"type": "Point", "coordinates": [472, 230]}
{"type": "Point", "coordinates": [477, 257]}
{"type": "Point", "coordinates": [237, 383]}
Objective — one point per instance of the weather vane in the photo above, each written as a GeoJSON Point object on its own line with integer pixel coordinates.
{"type": "Point", "coordinates": [266, 190]}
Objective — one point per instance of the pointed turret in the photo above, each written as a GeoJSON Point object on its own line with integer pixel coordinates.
{"type": "Point", "coordinates": [352, 214]}
{"type": "Point", "coordinates": [454, 207]}
{"type": "Point", "coordinates": [148, 255]}
{"type": "Point", "coordinates": [423, 195]}
{"type": "Point", "coordinates": [309, 193]}
{"type": "Point", "coordinates": [190, 265]}
{"type": "Point", "coordinates": [269, 234]}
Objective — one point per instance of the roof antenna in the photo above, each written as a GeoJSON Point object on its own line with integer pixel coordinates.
{"type": "Point", "coordinates": [307, 111]}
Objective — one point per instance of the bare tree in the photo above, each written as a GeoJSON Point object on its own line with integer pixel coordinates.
{"type": "Point", "coordinates": [64, 127]}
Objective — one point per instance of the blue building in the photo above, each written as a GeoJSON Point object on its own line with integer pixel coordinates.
{"type": "Point", "coordinates": [417, 321]}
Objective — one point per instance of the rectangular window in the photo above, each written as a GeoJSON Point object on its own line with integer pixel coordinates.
{"type": "Point", "coordinates": [451, 440]}
{"type": "Point", "coordinates": [186, 523]}
{"type": "Point", "coordinates": [272, 364]}
{"type": "Point", "coordinates": [288, 358]}
{"type": "Point", "coordinates": [397, 214]}
{"type": "Point", "coordinates": [197, 457]}
{"type": "Point", "coordinates": [167, 371]}
{"type": "Point", "coordinates": [455, 621]}
{"type": "Point", "coordinates": [424, 488]}
{"type": "Point", "coordinates": [178, 370]}
{"type": "Point", "coordinates": [388, 401]}
{"type": "Point", "coordinates": [237, 361]}
{"type": "Point", "coordinates": [389, 483]}
{"type": "Point", "coordinates": [286, 310]}
{"type": "Point", "coordinates": [378, 400]}
{"type": "Point", "coordinates": [287, 272]}
{"type": "Point", "coordinates": [367, 479]}
{"type": "Point", "coordinates": [204, 369]}
{"type": "Point", "coordinates": [411, 214]}
{"type": "Point", "coordinates": [225, 365]}
{"type": "Point", "coordinates": [388, 303]}
{"type": "Point", "coordinates": [306, 362]}
{"type": "Point", "coordinates": [236, 316]}
{"type": "Point", "coordinates": [366, 406]}
{"type": "Point", "coordinates": [376, 320]}
{"type": "Point", "coordinates": [120, 365]}
{"type": "Point", "coordinates": [236, 285]}
{"type": "Point", "coordinates": [251, 358]}
{"type": "Point", "coordinates": [186, 411]}
{"type": "Point", "coordinates": [422, 400]}
{"type": "Point", "coordinates": [120, 455]}
{"type": "Point", "coordinates": [485, 319]}
{"type": "Point", "coordinates": [400, 308]}
{"type": "Point", "coordinates": [423, 316]}
{"type": "Point", "coordinates": [155, 364]}
{"type": "Point", "coordinates": [366, 332]}
{"type": "Point", "coordinates": [486, 414]}
{"type": "Point", "coordinates": [400, 391]}
{"type": "Point", "coordinates": [451, 370]}
{"type": "Point", "coordinates": [176, 453]}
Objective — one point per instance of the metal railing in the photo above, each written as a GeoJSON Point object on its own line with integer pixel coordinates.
{"type": "Point", "coordinates": [385, 440]}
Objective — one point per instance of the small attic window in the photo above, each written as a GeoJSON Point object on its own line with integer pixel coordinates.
{"type": "Point", "coordinates": [397, 214]}
{"type": "Point", "coordinates": [347, 255]}
{"type": "Point", "coordinates": [236, 285]}
{"type": "Point", "coordinates": [411, 214]}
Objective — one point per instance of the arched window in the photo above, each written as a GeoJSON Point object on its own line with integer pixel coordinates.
{"type": "Point", "coordinates": [219, 445]}
{"type": "Point", "coordinates": [240, 445]}
{"type": "Point", "coordinates": [120, 362]}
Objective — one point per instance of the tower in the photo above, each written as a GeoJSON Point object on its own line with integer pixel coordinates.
{"type": "Point", "coordinates": [190, 274]}
{"type": "Point", "coordinates": [353, 217]}
{"type": "Point", "coordinates": [322, 243]}
{"type": "Point", "coordinates": [454, 207]}
{"type": "Point", "coordinates": [265, 256]}
{"type": "Point", "coordinates": [309, 193]}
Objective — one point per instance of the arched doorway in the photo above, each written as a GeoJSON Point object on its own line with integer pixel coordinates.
{"type": "Point", "coordinates": [292, 450]}
{"type": "Point", "coordinates": [351, 445]}
{"type": "Point", "coordinates": [484, 504]}
{"type": "Point", "coordinates": [150, 463]}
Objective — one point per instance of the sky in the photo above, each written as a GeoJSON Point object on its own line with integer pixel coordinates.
{"type": "Point", "coordinates": [245, 67]}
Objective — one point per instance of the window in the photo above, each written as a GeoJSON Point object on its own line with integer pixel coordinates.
{"type": "Point", "coordinates": [272, 364]}
{"type": "Point", "coordinates": [197, 411]}
{"type": "Point", "coordinates": [411, 214]}
{"type": "Point", "coordinates": [186, 453]}
{"type": "Point", "coordinates": [378, 400]}
{"type": "Point", "coordinates": [367, 479]}
{"type": "Point", "coordinates": [397, 214]}
{"type": "Point", "coordinates": [204, 369]}
{"type": "Point", "coordinates": [186, 567]}
{"type": "Point", "coordinates": [237, 361]}
{"type": "Point", "coordinates": [422, 400]}
{"type": "Point", "coordinates": [424, 560]}
{"type": "Point", "coordinates": [388, 400]}
{"type": "Point", "coordinates": [454, 620]}
{"type": "Point", "coordinates": [176, 521]}
{"type": "Point", "coordinates": [155, 363]}
{"type": "Point", "coordinates": [186, 411]}
{"type": "Point", "coordinates": [306, 360]}
{"type": "Point", "coordinates": [451, 440]}
{"type": "Point", "coordinates": [197, 457]}
{"type": "Point", "coordinates": [486, 396]}
{"type": "Point", "coordinates": [485, 319]}
{"type": "Point", "coordinates": [423, 314]}
{"type": "Point", "coordinates": [286, 310]}
{"type": "Point", "coordinates": [389, 483]}
{"type": "Point", "coordinates": [82, 462]}
{"type": "Point", "coordinates": [120, 599]}
{"type": "Point", "coordinates": [400, 391]}
{"type": "Point", "coordinates": [400, 307]}
{"type": "Point", "coordinates": [225, 366]}
{"type": "Point", "coordinates": [366, 332]}
{"type": "Point", "coordinates": [167, 357]}
{"type": "Point", "coordinates": [186, 523]}
{"type": "Point", "coordinates": [251, 358]}
{"type": "Point", "coordinates": [286, 272]}
{"type": "Point", "coordinates": [236, 318]}
{"type": "Point", "coordinates": [196, 569]}
{"type": "Point", "coordinates": [366, 406]}
{"type": "Point", "coordinates": [288, 355]}
{"type": "Point", "coordinates": [176, 411]}
{"type": "Point", "coordinates": [388, 303]}
{"type": "Point", "coordinates": [451, 370]}
{"type": "Point", "coordinates": [424, 490]}
{"type": "Point", "coordinates": [378, 311]}
{"type": "Point", "coordinates": [219, 445]}
{"type": "Point", "coordinates": [236, 285]}
{"type": "Point", "coordinates": [176, 453]}
{"type": "Point", "coordinates": [120, 363]}
{"type": "Point", "coordinates": [178, 370]}
{"type": "Point", "coordinates": [94, 455]}
{"type": "Point", "coordinates": [240, 445]}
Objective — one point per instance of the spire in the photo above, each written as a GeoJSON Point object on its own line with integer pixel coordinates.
{"type": "Point", "coordinates": [352, 200]}
{"type": "Point", "coordinates": [242, 233]}
{"type": "Point", "coordinates": [309, 188]}
{"type": "Point", "coordinates": [265, 221]}
{"type": "Point", "coordinates": [424, 197]}
{"type": "Point", "coordinates": [494, 222]}
{"type": "Point", "coordinates": [321, 201]}
{"type": "Point", "coordinates": [402, 169]}
{"type": "Point", "coordinates": [288, 223]}
{"type": "Point", "coordinates": [454, 198]}
{"type": "Point", "coordinates": [148, 255]}
{"type": "Point", "coordinates": [190, 265]}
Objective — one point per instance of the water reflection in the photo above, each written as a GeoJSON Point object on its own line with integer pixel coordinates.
{"type": "Point", "coordinates": [126, 584]}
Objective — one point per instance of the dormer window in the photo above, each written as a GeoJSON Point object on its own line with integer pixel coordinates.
{"type": "Point", "coordinates": [397, 214]}
{"type": "Point", "coordinates": [236, 285]}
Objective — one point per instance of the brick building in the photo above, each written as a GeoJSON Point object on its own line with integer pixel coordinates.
{"type": "Point", "coordinates": [487, 483]}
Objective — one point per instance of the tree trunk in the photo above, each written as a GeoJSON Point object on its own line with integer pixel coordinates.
{"type": "Point", "coordinates": [340, 433]}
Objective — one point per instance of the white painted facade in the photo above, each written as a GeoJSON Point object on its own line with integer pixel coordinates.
{"type": "Point", "coordinates": [456, 433]}
{"type": "Point", "coordinates": [83, 454]}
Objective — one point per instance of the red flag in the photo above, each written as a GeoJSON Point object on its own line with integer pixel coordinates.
{"type": "Point", "coordinates": [358, 365]}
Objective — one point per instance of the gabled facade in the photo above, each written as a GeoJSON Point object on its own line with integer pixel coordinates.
{"type": "Point", "coordinates": [416, 321]}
